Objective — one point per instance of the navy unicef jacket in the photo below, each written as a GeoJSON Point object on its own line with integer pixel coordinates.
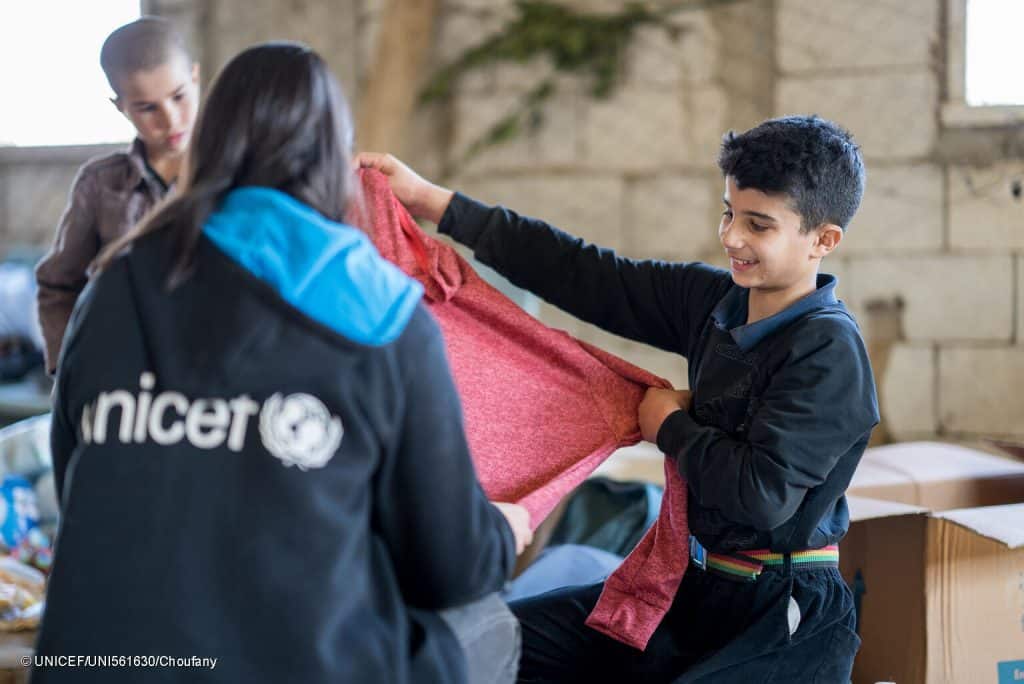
{"type": "Point", "coordinates": [265, 465]}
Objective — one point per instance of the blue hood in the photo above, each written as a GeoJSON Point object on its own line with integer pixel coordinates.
{"type": "Point", "coordinates": [329, 271]}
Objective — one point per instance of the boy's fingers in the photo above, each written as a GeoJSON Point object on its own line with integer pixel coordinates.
{"type": "Point", "coordinates": [364, 160]}
{"type": "Point", "coordinates": [373, 160]}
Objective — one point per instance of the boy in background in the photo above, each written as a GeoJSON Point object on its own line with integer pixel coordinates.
{"type": "Point", "coordinates": [156, 87]}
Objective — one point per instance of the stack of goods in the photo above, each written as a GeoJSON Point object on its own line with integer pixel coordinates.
{"type": "Point", "coordinates": [21, 596]}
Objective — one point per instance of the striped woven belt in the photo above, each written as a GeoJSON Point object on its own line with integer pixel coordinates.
{"type": "Point", "coordinates": [748, 565]}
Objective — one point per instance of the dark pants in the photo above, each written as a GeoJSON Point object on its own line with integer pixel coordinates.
{"type": "Point", "coordinates": [719, 630]}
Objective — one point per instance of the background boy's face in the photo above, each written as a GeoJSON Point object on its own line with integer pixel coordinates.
{"type": "Point", "coordinates": [161, 103]}
{"type": "Point", "coordinates": [761, 235]}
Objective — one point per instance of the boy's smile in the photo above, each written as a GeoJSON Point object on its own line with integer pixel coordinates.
{"type": "Point", "coordinates": [768, 253]}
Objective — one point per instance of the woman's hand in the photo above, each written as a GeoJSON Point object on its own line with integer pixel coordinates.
{"type": "Point", "coordinates": [519, 520]}
{"type": "Point", "coordinates": [422, 198]}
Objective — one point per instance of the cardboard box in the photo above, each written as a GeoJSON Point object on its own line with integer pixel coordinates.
{"type": "Point", "coordinates": [1014, 449]}
{"type": "Point", "coordinates": [940, 593]}
{"type": "Point", "coordinates": [938, 476]}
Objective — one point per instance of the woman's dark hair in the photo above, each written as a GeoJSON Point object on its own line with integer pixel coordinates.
{"type": "Point", "coordinates": [275, 117]}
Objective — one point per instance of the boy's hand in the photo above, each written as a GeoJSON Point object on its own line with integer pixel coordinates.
{"type": "Point", "coordinates": [519, 520]}
{"type": "Point", "coordinates": [657, 405]}
{"type": "Point", "coordinates": [422, 198]}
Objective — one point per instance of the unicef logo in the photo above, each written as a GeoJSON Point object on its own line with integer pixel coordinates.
{"type": "Point", "coordinates": [299, 430]}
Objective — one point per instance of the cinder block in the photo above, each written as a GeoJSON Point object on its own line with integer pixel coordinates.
{"type": "Point", "coordinates": [983, 212]}
{"type": "Point", "coordinates": [487, 5]}
{"type": "Point", "coordinates": [553, 143]}
{"type": "Point", "coordinates": [671, 216]}
{"type": "Point", "coordinates": [588, 206]}
{"type": "Point", "coordinates": [840, 34]}
{"type": "Point", "coordinates": [473, 118]}
{"type": "Point", "coordinates": [594, 6]}
{"type": "Point", "coordinates": [36, 195]}
{"type": "Point", "coordinates": [746, 59]}
{"type": "Point", "coordinates": [655, 57]}
{"type": "Point", "coordinates": [636, 129]}
{"type": "Point", "coordinates": [1020, 301]}
{"type": "Point", "coordinates": [708, 116]}
{"type": "Point", "coordinates": [457, 32]}
{"type": "Point", "coordinates": [980, 390]}
{"type": "Point", "coordinates": [907, 391]}
{"type": "Point", "coordinates": [329, 28]}
{"type": "Point", "coordinates": [891, 115]}
{"type": "Point", "coordinates": [901, 210]}
{"type": "Point", "coordinates": [522, 77]}
{"type": "Point", "coordinates": [699, 44]}
{"type": "Point", "coordinates": [946, 297]}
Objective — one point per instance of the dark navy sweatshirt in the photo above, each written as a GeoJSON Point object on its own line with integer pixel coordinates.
{"type": "Point", "coordinates": [265, 465]}
{"type": "Point", "coordinates": [782, 408]}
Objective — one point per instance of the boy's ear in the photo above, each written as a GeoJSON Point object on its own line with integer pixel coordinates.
{"type": "Point", "coordinates": [828, 236]}
{"type": "Point", "coordinates": [195, 73]}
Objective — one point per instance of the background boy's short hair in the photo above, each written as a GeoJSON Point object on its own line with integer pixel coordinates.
{"type": "Point", "coordinates": [144, 44]}
{"type": "Point", "coordinates": [813, 160]}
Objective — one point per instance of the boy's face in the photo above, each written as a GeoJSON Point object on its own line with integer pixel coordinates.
{"type": "Point", "coordinates": [161, 103]}
{"type": "Point", "coordinates": [766, 248]}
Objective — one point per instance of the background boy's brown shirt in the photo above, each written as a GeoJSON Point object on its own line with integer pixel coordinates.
{"type": "Point", "coordinates": [108, 198]}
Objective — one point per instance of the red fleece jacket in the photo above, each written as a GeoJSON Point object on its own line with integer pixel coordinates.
{"type": "Point", "coordinates": [542, 409]}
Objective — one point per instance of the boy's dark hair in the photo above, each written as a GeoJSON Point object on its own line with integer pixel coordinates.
{"type": "Point", "coordinates": [812, 160]}
{"type": "Point", "coordinates": [142, 45]}
{"type": "Point", "coordinates": [275, 117]}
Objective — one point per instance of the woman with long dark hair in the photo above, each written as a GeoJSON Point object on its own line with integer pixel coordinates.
{"type": "Point", "coordinates": [257, 444]}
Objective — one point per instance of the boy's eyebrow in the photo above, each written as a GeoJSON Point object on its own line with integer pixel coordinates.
{"type": "Point", "coordinates": [755, 214]}
{"type": "Point", "coordinates": [136, 103]}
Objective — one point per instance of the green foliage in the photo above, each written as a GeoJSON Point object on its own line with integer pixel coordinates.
{"type": "Point", "coordinates": [509, 126]}
{"type": "Point", "coordinates": [588, 45]}
{"type": "Point", "coordinates": [584, 44]}
{"type": "Point", "coordinates": [591, 46]}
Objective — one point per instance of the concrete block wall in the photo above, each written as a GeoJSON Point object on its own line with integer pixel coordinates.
{"type": "Point", "coordinates": [34, 187]}
{"type": "Point", "coordinates": [634, 172]}
{"type": "Point", "coordinates": [330, 27]}
{"type": "Point", "coordinates": [940, 238]}
{"type": "Point", "coordinates": [933, 265]}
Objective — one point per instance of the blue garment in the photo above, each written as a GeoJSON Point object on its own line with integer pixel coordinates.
{"type": "Point", "coordinates": [565, 565]}
{"type": "Point", "coordinates": [731, 312]}
{"type": "Point", "coordinates": [329, 271]}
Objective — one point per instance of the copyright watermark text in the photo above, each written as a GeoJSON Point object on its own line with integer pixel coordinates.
{"type": "Point", "coordinates": [87, 661]}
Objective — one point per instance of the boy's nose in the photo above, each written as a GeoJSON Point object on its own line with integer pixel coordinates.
{"type": "Point", "coordinates": [170, 117]}
{"type": "Point", "coordinates": [729, 236]}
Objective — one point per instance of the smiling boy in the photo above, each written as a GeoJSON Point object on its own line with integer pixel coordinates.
{"type": "Point", "coordinates": [156, 87]}
{"type": "Point", "coordinates": [780, 408]}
